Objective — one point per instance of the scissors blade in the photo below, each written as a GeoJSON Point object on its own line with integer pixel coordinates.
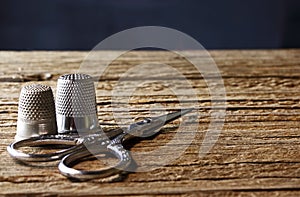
{"type": "Point", "coordinates": [150, 126]}
{"type": "Point", "coordinates": [167, 118]}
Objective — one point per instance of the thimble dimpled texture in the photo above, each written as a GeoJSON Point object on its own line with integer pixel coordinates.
{"type": "Point", "coordinates": [76, 96]}
{"type": "Point", "coordinates": [36, 112]}
{"type": "Point", "coordinates": [36, 103]}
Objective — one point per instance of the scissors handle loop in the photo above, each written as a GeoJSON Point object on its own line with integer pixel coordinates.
{"type": "Point", "coordinates": [66, 164]}
{"type": "Point", "coordinates": [44, 140]}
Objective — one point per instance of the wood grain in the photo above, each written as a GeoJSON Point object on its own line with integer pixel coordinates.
{"type": "Point", "coordinates": [257, 152]}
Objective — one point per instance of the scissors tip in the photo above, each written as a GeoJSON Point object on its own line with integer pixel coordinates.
{"type": "Point", "coordinates": [175, 115]}
{"type": "Point", "coordinates": [185, 111]}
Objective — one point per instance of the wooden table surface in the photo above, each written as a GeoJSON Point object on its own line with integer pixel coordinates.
{"type": "Point", "coordinates": [257, 152]}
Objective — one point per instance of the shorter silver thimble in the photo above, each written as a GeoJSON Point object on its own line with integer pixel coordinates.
{"type": "Point", "coordinates": [36, 112]}
{"type": "Point", "coordinates": [76, 108]}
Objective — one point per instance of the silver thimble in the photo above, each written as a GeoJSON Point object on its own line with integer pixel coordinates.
{"type": "Point", "coordinates": [76, 109]}
{"type": "Point", "coordinates": [36, 112]}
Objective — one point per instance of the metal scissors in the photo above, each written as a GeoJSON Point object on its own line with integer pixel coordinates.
{"type": "Point", "coordinates": [100, 142]}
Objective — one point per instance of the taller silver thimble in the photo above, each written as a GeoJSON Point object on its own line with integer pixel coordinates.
{"type": "Point", "coordinates": [76, 109]}
{"type": "Point", "coordinates": [36, 112]}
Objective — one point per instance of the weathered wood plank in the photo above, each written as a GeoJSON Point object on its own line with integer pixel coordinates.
{"type": "Point", "coordinates": [257, 152]}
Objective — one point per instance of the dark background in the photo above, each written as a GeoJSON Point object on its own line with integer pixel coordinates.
{"type": "Point", "coordinates": [81, 24]}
